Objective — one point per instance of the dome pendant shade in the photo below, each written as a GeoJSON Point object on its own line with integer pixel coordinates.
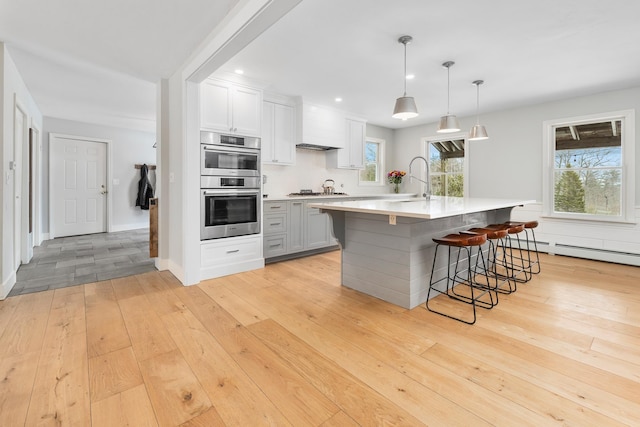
{"type": "Point", "coordinates": [448, 124]}
{"type": "Point", "coordinates": [405, 108]}
{"type": "Point", "coordinates": [478, 132]}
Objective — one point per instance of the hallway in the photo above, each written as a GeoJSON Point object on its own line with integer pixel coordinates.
{"type": "Point", "coordinates": [76, 260]}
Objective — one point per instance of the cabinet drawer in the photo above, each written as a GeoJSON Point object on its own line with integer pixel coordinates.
{"type": "Point", "coordinates": [275, 245]}
{"type": "Point", "coordinates": [275, 223]}
{"type": "Point", "coordinates": [275, 207]}
{"type": "Point", "coordinates": [223, 251]}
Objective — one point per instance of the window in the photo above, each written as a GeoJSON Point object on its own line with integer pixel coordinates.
{"type": "Point", "coordinates": [447, 166]}
{"type": "Point", "coordinates": [589, 170]}
{"type": "Point", "coordinates": [373, 174]}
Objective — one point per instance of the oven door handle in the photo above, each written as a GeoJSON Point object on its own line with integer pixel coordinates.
{"type": "Point", "coordinates": [227, 149]}
{"type": "Point", "coordinates": [227, 191]}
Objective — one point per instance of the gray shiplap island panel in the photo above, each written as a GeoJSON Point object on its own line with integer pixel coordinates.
{"type": "Point", "coordinates": [394, 262]}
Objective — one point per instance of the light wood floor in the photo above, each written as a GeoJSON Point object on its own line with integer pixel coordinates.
{"type": "Point", "coordinates": [287, 345]}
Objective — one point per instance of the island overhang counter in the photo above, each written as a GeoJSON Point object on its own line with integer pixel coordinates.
{"type": "Point", "coordinates": [387, 247]}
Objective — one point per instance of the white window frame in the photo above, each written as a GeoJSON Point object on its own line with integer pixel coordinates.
{"type": "Point", "coordinates": [628, 166]}
{"type": "Point", "coordinates": [382, 175]}
{"type": "Point", "coordinates": [465, 169]}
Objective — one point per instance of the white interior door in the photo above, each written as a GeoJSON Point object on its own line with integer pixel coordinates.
{"type": "Point", "coordinates": [19, 135]}
{"type": "Point", "coordinates": [78, 185]}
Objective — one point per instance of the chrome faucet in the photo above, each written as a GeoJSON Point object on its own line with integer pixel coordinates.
{"type": "Point", "coordinates": [427, 182]}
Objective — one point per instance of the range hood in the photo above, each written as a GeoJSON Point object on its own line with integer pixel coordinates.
{"type": "Point", "coordinates": [315, 147]}
{"type": "Point", "coordinates": [319, 128]}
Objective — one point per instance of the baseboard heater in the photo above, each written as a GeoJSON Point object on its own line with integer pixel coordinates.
{"type": "Point", "coordinates": [597, 254]}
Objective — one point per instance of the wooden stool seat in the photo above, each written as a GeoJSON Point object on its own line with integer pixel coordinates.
{"type": "Point", "coordinates": [513, 227]}
{"type": "Point", "coordinates": [462, 239]}
{"type": "Point", "coordinates": [492, 233]}
{"type": "Point", "coordinates": [531, 224]}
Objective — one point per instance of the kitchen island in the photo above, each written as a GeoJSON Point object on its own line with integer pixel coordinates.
{"type": "Point", "coordinates": [387, 246]}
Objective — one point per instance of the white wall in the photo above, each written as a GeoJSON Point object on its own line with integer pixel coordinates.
{"type": "Point", "coordinates": [128, 147]}
{"type": "Point", "coordinates": [311, 170]}
{"type": "Point", "coordinates": [12, 87]}
{"type": "Point", "coordinates": [509, 165]}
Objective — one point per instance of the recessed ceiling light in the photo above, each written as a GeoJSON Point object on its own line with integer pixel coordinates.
{"type": "Point", "coordinates": [411, 76]}
{"type": "Point", "coordinates": [338, 99]}
{"type": "Point", "coordinates": [239, 71]}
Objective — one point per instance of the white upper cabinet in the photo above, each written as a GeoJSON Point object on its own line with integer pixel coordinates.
{"type": "Point", "coordinates": [230, 108]}
{"type": "Point", "coordinates": [278, 133]}
{"type": "Point", "coordinates": [352, 156]}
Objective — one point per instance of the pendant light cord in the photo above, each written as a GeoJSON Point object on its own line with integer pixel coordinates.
{"type": "Point", "coordinates": [477, 83]}
{"type": "Point", "coordinates": [448, 89]}
{"type": "Point", "coordinates": [477, 103]}
{"type": "Point", "coordinates": [405, 69]}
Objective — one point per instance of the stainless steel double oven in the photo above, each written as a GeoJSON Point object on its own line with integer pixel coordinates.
{"type": "Point", "coordinates": [229, 185]}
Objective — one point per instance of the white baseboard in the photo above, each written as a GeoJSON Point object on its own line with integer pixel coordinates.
{"type": "Point", "coordinates": [162, 264]}
{"type": "Point", "coordinates": [593, 254]}
{"type": "Point", "coordinates": [176, 270]}
{"type": "Point", "coordinates": [127, 227]}
{"type": "Point", "coordinates": [227, 269]}
{"type": "Point", "coordinates": [7, 285]}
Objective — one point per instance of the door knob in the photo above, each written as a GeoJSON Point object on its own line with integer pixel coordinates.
{"type": "Point", "coordinates": [104, 190]}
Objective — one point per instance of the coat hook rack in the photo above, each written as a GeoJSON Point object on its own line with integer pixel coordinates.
{"type": "Point", "coordinates": [139, 166]}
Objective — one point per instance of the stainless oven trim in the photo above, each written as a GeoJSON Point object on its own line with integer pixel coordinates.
{"type": "Point", "coordinates": [228, 172]}
{"type": "Point", "coordinates": [229, 149]}
{"type": "Point", "coordinates": [231, 230]}
{"type": "Point", "coordinates": [211, 181]}
{"type": "Point", "coordinates": [214, 138]}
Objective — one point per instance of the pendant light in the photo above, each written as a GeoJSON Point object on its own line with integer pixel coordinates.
{"type": "Point", "coordinates": [448, 123]}
{"type": "Point", "coordinates": [478, 131]}
{"type": "Point", "coordinates": [405, 105]}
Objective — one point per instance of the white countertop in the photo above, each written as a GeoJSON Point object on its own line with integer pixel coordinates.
{"type": "Point", "coordinates": [437, 207]}
{"type": "Point", "coordinates": [279, 198]}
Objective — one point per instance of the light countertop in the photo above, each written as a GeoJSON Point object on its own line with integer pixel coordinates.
{"type": "Point", "coordinates": [279, 198]}
{"type": "Point", "coordinates": [413, 207]}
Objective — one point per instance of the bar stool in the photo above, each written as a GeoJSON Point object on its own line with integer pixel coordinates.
{"type": "Point", "coordinates": [464, 273]}
{"type": "Point", "coordinates": [512, 256]}
{"type": "Point", "coordinates": [496, 239]}
{"type": "Point", "coordinates": [528, 227]}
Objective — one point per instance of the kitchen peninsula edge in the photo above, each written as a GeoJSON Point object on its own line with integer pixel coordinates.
{"type": "Point", "coordinates": [393, 262]}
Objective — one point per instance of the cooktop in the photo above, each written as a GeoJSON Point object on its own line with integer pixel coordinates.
{"type": "Point", "coordinates": [312, 193]}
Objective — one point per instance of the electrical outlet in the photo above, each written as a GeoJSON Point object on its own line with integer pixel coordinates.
{"type": "Point", "coordinates": [392, 219]}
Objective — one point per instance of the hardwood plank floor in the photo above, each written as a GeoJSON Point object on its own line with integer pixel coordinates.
{"type": "Point", "coordinates": [288, 346]}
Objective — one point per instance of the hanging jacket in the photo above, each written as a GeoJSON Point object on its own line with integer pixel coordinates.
{"type": "Point", "coordinates": [145, 190]}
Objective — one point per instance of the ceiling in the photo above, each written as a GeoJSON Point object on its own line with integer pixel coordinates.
{"type": "Point", "coordinates": [98, 61]}
{"type": "Point", "coordinates": [93, 61]}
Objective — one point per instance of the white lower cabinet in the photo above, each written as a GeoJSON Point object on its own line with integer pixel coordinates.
{"type": "Point", "coordinates": [296, 225]}
{"type": "Point", "coordinates": [221, 257]}
{"type": "Point", "coordinates": [307, 229]}
{"type": "Point", "coordinates": [317, 229]}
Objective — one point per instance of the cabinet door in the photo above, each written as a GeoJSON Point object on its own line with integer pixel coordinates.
{"type": "Point", "coordinates": [318, 235]}
{"type": "Point", "coordinates": [352, 156]}
{"type": "Point", "coordinates": [247, 111]}
{"type": "Point", "coordinates": [284, 149]}
{"type": "Point", "coordinates": [267, 148]}
{"type": "Point", "coordinates": [296, 226]}
{"type": "Point", "coordinates": [215, 106]}
{"type": "Point", "coordinates": [356, 141]}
